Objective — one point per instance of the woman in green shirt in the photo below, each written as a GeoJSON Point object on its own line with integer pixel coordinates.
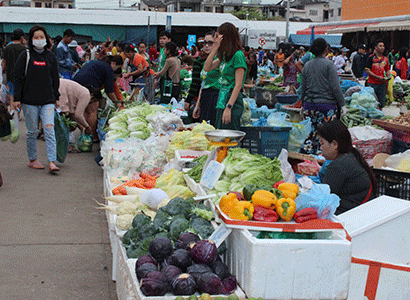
{"type": "Point", "coordinates": [232, 63]}
{"type": "Point", "coordinates": [205, 108]}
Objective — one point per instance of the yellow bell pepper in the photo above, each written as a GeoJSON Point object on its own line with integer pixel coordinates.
{"type": "Point", "coordinates": [242, 210]}
{"type": "Point", "coordinates": [289, 190]}
{"type": "Point", "coordinates": [286, 208]}
{"type": "Point", "coordinates": [264, 198]}
{"type": "Point", "coordinates": [227, 202]}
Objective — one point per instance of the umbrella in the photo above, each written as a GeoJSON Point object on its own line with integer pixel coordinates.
{"type": "Point", "coordinates": [312, 35]}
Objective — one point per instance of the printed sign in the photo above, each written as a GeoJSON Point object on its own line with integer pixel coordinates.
{"type": "Point", "coordinates": [220, 234]}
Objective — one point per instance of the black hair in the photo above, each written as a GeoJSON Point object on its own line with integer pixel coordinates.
{"type": "Point", "coordinates": [252, 55]}
{"type": "Point", "coordinates": [187, 60]}
{"type": "Point", "coordinates": [377, 42]}
{"type": "Point", "coordinates": [17, 34]}
{"type": "Point", "coordinates": [335, 130]}
{"type": "Point", "coordinates": [318, 47]}
{"type": "Point", "coordinates": [247, 48]}
{"type": "Point", "coordinates": [117, 59]}
{"type": "Point", "coordinates": [57, 39]}
{"type": "Point", "coordinates": [142, 43]}
{"type": "Point", "coordinates": [69, 32]}
{"type": "Point", "coordinates": [118, 71]}
{"type": "Point", "coordinates": [129, 48]}
{"type": "Point", "coordinates": [121, 45]}
{"type": "Point", "coordinates": [165, 33]}
{"type": "Point", "coordinates": [403, 52]}
{"type": "Point", "coordinates": [172, 47]}
{"type": "Point", "coordinates": [31, 34]}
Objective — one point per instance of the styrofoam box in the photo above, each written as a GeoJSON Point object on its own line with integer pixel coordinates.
{"type": "Point", "coordinates": [123, 283]}
{"type": "Point", "coordinates": [380, 230]}
{"type": "Point", "coordinates": [379, 281]}
{"type": "Point", "coordinates": [135, 289]}
{"type": "Point", "coordinates": [290, 269]}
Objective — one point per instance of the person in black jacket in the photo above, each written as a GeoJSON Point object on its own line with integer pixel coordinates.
{"type": "Point", "coordinates": [37, 83]}
{"type": "Point", "coordinates": [359, 62]}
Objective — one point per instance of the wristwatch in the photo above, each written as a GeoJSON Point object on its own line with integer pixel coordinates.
{"type": "Point", "coordinates": [229, 106]}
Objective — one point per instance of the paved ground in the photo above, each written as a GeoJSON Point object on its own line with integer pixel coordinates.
{"type": "Point", "coordinates": [53, 243]}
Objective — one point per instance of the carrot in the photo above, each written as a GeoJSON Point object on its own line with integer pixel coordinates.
{"type": "Point", "coordinates": [147, 177]}
{"type": "Point", "coordinates": [149, 184]}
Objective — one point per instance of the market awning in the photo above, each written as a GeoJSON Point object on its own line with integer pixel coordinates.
{"type": "Point", "coordinates": [337, 29]}
{"type": "Point", "coordinates": [390, 26]}
{"type": "Point", "coordinates": [318, 30]}
{"type": "Point", "coordinates": [304, 40]}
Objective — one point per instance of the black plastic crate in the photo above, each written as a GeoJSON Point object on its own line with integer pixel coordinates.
{"type": "Point", "coordinates": [287, 99]}
{"type": "Point", "coordinates": [393, 183]}
{"type": "Point", "coordinates": [267, 141]}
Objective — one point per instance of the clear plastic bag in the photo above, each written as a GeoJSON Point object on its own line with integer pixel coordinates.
{"type": "Point", "coordinates": [277, 119]}
{"type": "Point", "coordinates": [15, 133]}
{"type": "Point", "coordinates": [85, 142]}
{"type": "Point", "coordinates": [300, 131]}
{"type": "Point", "coordinates": [320, 198]}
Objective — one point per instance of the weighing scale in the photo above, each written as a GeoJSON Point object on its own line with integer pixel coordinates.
{"type": "Point", "coordinates": [224, 138]}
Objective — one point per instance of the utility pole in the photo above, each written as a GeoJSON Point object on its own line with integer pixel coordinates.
{"type": "Point", "coordinates": [287, 20]}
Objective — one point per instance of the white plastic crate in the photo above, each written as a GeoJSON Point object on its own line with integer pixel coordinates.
{"type": "Point", "coordinates": [290, 269]}
{"type": "Point", "coordinates": [379, 281]}
{"type": "Point", "coordinates": [380, 230]}
{"type": "Point", "coordinates": [123, 280]}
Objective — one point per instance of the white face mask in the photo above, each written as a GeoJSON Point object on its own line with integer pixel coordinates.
{"type": "Point", "coordinates": [39, 44]}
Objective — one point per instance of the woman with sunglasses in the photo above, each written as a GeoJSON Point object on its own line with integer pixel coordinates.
{"type": "Point", "coordinates": [232, 62]}
{"type": "Point", "coordinates": [205, 108]}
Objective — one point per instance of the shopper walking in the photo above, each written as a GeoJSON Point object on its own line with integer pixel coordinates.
{"type": "Point", "coordinates": [322, 97]}
{"type": "Point", "coordinates": [378, 69]}
{"type": "Point", "coordinates": [10, 55]}
{"type": "Point", "coordinates": [37, 83]}
{"type": "Point", "coordinates": [66, 65]}
{"type": "Point", "coordinates": [232, 62]}
{"type": "Point", "coordinates": [358, 63]}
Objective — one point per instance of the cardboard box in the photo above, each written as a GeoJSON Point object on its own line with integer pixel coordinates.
{"type": "Point", "coordinates": [290, 269]}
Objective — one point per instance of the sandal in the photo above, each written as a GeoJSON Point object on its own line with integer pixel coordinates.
{"type": "Point", "coordinates": [35, 164]}
{"type": "Point", "coordinates": [52, 168]}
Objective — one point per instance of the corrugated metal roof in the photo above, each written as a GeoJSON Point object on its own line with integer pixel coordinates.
{"type": "Point", "coordinates": [304, 40]}
{"type": "Point", "coordinates": [110, 17]}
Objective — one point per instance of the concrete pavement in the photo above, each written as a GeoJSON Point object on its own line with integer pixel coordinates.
{"type": "Point", "coordinates": [54, 243]}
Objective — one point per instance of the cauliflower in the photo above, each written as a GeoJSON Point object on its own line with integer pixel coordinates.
{"type": "Point", "coordinates": [124, 222]}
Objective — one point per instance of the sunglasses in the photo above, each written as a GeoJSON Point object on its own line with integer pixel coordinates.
{"type": "Point", "coordinates": [210, 43]}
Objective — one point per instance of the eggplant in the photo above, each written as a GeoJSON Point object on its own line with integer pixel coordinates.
{"type": "Point", "coordinates": [145, 259]}
{"type": "Point", "coordinates": [171, 272]}
{"type": "Point", "coordinates": [185, 239]}
{"type": "Point", "coordinates": [160, 248]}
{"type": "Point", "coordinates": [153, 287]}
{"type": "Point", "coordinates": [210, 283]}
{"type": "Point", "coordinates": [180, 258]}
{"type": "Point", "coordinates": [143, 270]}
{"type": "Point", "coordinates": [204, 252]}
{"type": "Point", "coordinates": [196, 270]}
{"type": "Point", "coordinates": [184, 284]}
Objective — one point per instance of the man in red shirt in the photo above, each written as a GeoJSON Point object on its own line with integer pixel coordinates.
{"type": "Point", "coordinates": [153, 53]}
{"type": "Point", "coordinates": [378, 69]}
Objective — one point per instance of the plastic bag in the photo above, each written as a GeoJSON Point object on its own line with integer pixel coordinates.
{"type": "Point", "coordinates": [399, 161]}
{"type": "Point", "coordinates": [277, 119]}
{"type": "Point", "coordinates": [307, 167]}
{"type": "Point", "coordinates": [85, 142]}
{"type": "Point", "coordinates": [15, 133]}
{"type": "Point", "coordinates": [320, 198]}
{"type": "Point", "coordinates": [285, 167]}
{"type": "Point", "coordinates": [346, 84]}
{"type": "Point", "coordinates": [300, 131]}
{"type": "Point", "coordinates": [62, 134]}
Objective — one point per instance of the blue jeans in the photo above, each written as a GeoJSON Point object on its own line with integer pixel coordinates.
{"type": "Point", "coordinates": [32, 114]}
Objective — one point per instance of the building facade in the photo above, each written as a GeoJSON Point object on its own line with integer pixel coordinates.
{"type": "Point", "coordinates": [359, 9]}
{"type": "Point", "coordinates": [52, 3]}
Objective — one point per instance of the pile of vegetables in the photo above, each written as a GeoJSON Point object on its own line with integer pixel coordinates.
{"type": "Point", "coordinates": [266, 204]}
{"type": "Point", "coordinates": [132, 122]}
{"type": "Point", "coordinates": [190, 139]}
{"type": "Point", "coordinates": [173, 183]}
{"type": "Point", "coordinates": [196, 172]}
{"type": "Point", "coordinates": [178, 216]}
{"type": "Point", "coordinates": [144, 182]}
{"type": "Point", "coordinates": [401, 92]}
{"type": "Point", "coordinates": [355, 117]}
{"type": "Point", "coordinates": [401, 119]}
{"type": "Point", "coordinates": [242, 168]}
{"type": "Point", "coordinates": [183, 268]}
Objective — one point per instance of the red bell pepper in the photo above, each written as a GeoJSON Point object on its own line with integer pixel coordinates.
{"type": "Point", "coordinates": [264, 214]}
{"type": "Point", "coordinates": [306, 214]}
{"type": "Point", "coordinates": [277, 184]}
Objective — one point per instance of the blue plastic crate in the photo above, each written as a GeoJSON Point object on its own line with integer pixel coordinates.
{"type": "Point", "coordinates": [267, 141]}
{"type": "Point", "coordinates": [287, 99]}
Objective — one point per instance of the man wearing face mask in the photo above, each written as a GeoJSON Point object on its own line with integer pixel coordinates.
{"type": "Point", "coordinates": [36, 88]}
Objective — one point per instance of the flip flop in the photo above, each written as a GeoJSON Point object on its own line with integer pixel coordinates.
{"type": "Point", "coordinates": [36, 165]}
{"type": "Point", "coordinates": [52, 168]}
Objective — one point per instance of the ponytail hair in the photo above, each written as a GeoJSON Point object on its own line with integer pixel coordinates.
{"type": "Point", "coordinates": [117, 59]}
{"type": "Point", "coordinates": [335, 130]}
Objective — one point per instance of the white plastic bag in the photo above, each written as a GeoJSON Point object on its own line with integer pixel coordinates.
{"type": "Point", "coordinates": [285, 167]}
{"type": "Point", "coordinates": [399, 161]}
{"type": "Point", "coordinates": [15, 133]}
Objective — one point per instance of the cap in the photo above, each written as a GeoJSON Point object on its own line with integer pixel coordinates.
{"type": "Point", "coordinates": [17, 34]}
{"type": "Point", "coordinates": [362, 46]}
{"type": "Point", "coordinates": [73, 44]}
{"type": "Point", "coordinates": [302, 48]}
{"type": "Point", "coordinates": [344, 49]}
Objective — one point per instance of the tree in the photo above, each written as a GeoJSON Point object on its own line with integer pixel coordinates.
{"type": "Point", "coordinates": [254, 14]}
